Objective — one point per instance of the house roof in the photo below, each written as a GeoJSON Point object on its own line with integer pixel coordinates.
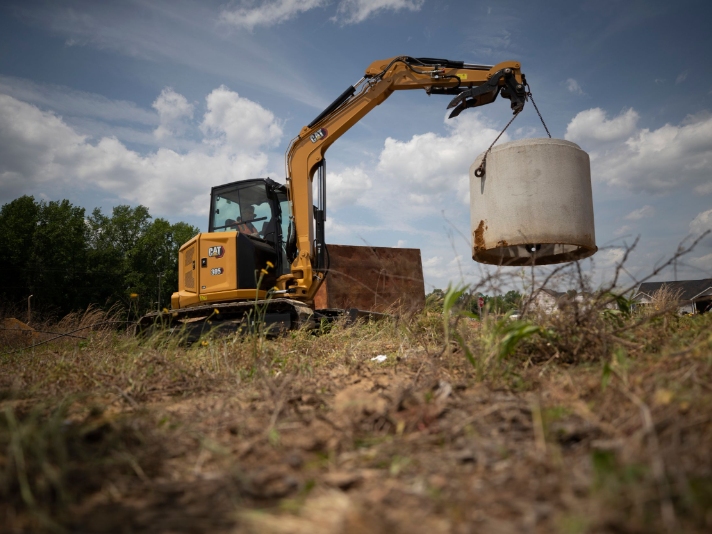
{"type": "Point", "coordinates": [689, 289]}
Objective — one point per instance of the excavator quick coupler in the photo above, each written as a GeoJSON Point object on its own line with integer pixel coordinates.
{"type": "Point", "coordinates": [487, 92]}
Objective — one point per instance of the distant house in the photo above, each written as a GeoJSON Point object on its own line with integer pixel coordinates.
{"type": "Point", "coordinates": [549, 300]}
{"type": "Point", "coordinates": [695, 296]}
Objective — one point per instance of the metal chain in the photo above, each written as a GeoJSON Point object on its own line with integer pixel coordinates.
{"type": "Point", "coordinates": [480, 171]}
{"type": "Point", "coordinates": [529, 95]}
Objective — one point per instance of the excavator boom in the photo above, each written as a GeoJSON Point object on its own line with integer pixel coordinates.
{"type": "Point", "coordinates": [471, 85]}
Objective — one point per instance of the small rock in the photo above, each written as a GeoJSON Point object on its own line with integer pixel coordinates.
{"type": "Point", "coordinates": [607, 445]}
{"type": "Point", "coordinates": [465, 455]}
{"type": "Point", "coordinates": [342, 479]}
{"type": "Point", "coordinates": [437, 481]}
{"type": "Point", "coordinates": [273, 482]}
{"type": "Point", "coordinates": [294, 460]}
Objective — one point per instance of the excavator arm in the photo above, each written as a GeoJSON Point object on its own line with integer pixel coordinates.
{"type": "Point", "coordinates": [472, 85]}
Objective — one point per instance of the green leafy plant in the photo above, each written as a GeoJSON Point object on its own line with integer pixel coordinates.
{"type": "Point", "coordinates": [450, 299]}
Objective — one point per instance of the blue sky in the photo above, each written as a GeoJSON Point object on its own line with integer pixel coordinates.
{"type": "Point", "coordinates": [153, 103]}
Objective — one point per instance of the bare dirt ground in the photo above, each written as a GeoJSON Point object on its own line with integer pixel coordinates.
{"type": "Point", "coordinates": [309, 434]}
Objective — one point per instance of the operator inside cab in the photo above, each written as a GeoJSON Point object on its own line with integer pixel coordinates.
{"type": "Point", "coordinates": [243, 224]}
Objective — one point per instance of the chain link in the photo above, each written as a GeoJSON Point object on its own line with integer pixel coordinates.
{"type": "Point", "coordinates": [480, 171]}
{"type": "Point", "coordinates": [529, 95]}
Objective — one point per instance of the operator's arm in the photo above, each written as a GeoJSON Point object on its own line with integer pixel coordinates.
{"type": "Point", "coordinates": [473, 85]}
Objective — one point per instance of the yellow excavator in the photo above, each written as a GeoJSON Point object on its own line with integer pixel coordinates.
{"type": "Point", "coordinates": [265, 247]}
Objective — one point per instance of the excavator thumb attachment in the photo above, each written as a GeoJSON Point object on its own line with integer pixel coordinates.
{"type": "Point", "coordinates": [487, 92]}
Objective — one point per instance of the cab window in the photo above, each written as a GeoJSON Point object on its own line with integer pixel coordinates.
{"type": "Point", "coordinates": [230, 205]}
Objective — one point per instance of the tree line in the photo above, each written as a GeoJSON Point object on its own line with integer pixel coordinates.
{"type": "Point", "coordinates": [67, 260]}
{"type": "Point", "coordinates": [510, 302]}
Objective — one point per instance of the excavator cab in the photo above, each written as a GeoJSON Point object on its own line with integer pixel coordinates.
{"type": "Point", "coordinates": [267, 203]}
{"type": "Point", "coordinates": [255, 209]}
{"type": "Point", "coordinates": [243, 253]}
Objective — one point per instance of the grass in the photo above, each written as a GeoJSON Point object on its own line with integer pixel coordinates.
{"type": "Point", "coordinates": [585, 421]}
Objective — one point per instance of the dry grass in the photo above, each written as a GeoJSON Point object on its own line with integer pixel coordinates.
{"type": "Point", "coordinates": [585, 421]}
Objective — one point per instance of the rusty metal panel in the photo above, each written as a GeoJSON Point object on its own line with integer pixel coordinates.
{"type": "Point", "coordinates": [378, 279]}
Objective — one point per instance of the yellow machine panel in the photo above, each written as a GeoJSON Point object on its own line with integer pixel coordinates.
{"type": "Point", "coordinates": [188, 266]}
{"type": "Point", "coordinates": [208, 272]}
{"type": "Point", "coordinates": [219, 249]}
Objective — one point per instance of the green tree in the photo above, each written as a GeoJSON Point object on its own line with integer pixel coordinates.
{"type": "Point", "coordinates": [69, 261]}
{"type": "Point", "coordinates": [154, 261]}
{"type": "Point", "coordinates": [58, 261]}
{"type": "Point", "coordinates": [111, 242]}
{"type": "Point", "coordinates": [18, 222]}
{"type": "Point", "coordinates": [135, 255]}
{"type": "Point", "coordinates": [508, 302]}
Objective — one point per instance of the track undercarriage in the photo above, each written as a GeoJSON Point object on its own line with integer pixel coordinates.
{"type": "Point", "coordinates": [271, 316]}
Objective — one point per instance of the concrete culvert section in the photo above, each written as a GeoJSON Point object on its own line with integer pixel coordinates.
{"type": "Point", "coordinates": [532, 204]}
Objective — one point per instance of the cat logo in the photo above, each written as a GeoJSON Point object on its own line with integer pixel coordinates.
{"type": "Point", "coordinates": [216, 252]}
{"type": "Point", "coordinates": [321, 133]}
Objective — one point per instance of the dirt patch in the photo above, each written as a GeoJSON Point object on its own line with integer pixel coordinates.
{"type": "Point", "coordinates": [308, 434]}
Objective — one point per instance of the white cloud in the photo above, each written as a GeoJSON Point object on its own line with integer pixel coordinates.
{"type": "Point", "coordinates": [609, 257]}
{"type": "Point", "coordinates": [40, 152]}
{"type": "Point", "coordinates": [432, 267]}
{"type": "Point", "coordinates": [65, 100]}
{"type": "Point", "coordinates": [32, 144]}
{"type": "Point", "coordinates": [593, 125]}
{"type": "Point", "coordinates": [449, 266]}
{"type": "Point", "coordinates": [622, 230]}
{"type": "Point", "coordinates": [681, 77]}
{"type": "Point", "coordinates": [701, 223]}
{"type": "Point", "coordinates": [574, 87]}
{"type": "Point", "coordinates": [347, 187]}
{"type": "Point", "coordinates": [268, 13]}
{"type": "Point", "coordinates": [704, 189]}
{"type": "Point", "coordinates": [647, 160]}
{"type": "Point", "coordinates": [173, 110]}
{"type": "Point", "coordinates": [640, 213]}
{"type": "Point", "coordinates": [276, 12]}
{"type": "Point", "coordinates": [180, 33]}
{"type": "Point", "coordinates": [355, 11]}
{"type": "Point", "coordinates": [430, 167]}
{"type": "Point", "coordinates": [239, 122]}
{"type": "Point", "coordinates": [703, 262]}
{"type": "Point", "coordinates": [349, 230]}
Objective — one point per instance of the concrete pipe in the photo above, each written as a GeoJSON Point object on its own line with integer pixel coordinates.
{"type": "Point", "coordinates": [533, 205]}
